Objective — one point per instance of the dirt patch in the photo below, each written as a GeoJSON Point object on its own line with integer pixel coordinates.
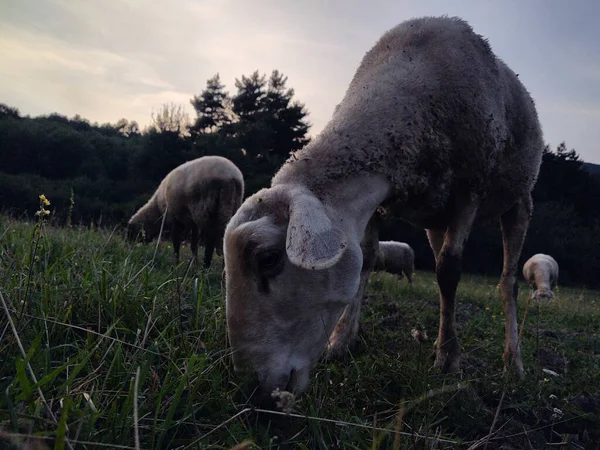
{"type": "Point", "coordinates": [473, 366]}
{"type": "Point", "coordinates": [587, 403]}
{"type": "Point", "coordinates": [552, 334]}
{"type": "Point", "coordinates": [464, 311]}
{"type": "Point", "coordinates": [392, 322]}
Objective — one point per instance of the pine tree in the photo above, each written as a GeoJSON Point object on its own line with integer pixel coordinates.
{"type": "Point", "coordinates": [270, 124]}
{"type": "Point", "coordinates": [257, 128]}
{"type": "Point", "coordinates": [248, 103]}
{"type": "Point", "coordinates": [212, 107]}
{"type": "Point", "coordinates": [286, 118]}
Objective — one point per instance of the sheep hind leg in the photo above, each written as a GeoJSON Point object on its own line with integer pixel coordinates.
{"type": "Point", "coordinates": [209, 247]}
{"type": "Point", "coordinates": [448, 270]}
{"type": "Point", "coordinates": [194, 243]}
{"type": "Point", "coordinates": [514, 224]}
{"type": "Point", "coordinates": [436, 240]}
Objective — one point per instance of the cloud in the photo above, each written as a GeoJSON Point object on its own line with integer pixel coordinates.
{"type": "Point", "coordinates": [70, 79]}
{"type": "Point", "coordinates": [107, 60]}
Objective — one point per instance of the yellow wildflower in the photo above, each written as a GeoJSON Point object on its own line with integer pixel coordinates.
{"type": "Point", "coordinates": [44, 200]}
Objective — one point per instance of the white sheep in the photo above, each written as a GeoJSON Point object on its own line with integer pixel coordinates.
{"type": "Point", "coordinates": [200, 195]}
{"type": "Point", "coordinates": [434, 128]}
{"type": "Point", "coordinates": [397, 258]}
{"type": "Point", "coordinates": [541, 272]}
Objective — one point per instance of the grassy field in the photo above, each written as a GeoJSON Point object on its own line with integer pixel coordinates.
{"type": "Point", "coordinates": [108, 345]}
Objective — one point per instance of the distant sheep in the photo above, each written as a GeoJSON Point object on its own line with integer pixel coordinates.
{"type": "Point", "coordinates": [434, 128]}
{"type": "Point", "coordinates": [541, 271]}
{"type": "Point", "coordinates": [198, 196]}
{"type": "Point", "coordinates": [397, 258]}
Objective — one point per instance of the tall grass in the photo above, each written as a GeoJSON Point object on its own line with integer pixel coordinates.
{"type": "Point", "coordinates": [114, 346]}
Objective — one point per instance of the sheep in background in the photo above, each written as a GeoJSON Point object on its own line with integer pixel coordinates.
{"type": "Point", "coordinates": [397, 258]}
{"type": "Point", "coordinates": [433, 127]}
{"type": "Point", "coordinates": [541, 271]}
{"type": "Point", "coordinates": [200, 196]}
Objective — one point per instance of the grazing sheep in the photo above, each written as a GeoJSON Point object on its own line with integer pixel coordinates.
{"type": "Point", "coordinates": [397, 258]}
{"type": "Point", "coordinates": [435, 129]}
{"type": "Point", "coordinates": [200, 195]}
{"type": "Point", "coordinates": [541, 271]}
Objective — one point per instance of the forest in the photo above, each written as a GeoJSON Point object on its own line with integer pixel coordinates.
{"type": "Point", "coordinates": [101, 173]}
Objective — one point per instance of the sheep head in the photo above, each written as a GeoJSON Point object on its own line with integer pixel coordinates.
{"type": "Point", "coordinates": [151, 228]}
{"type": "Point", "coordinates": [542, 294]}
{"type": "Point", "coordinates": [291, 269]}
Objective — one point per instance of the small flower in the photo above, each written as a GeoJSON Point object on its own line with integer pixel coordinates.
{"type": "Point", "coordinates": [44, 200]}
{"type": "Point", "coordinates": [285, 401]}
{"type": "Point", "coordinates": [418, 335]}
{"type": "Point", "coordinates": [557, 414]}
{"type": "Point", "coordinates": [43, 212]}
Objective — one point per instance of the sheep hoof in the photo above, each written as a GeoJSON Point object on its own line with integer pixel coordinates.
{"type": "Point", "coordinates": [447, 357]}
{"type": "Point", "coordinates": [447, 362]}
{"type": "Point", "coordinates": [338, 347]}
{"type": "Point", "coordinates": [517, 364]}
{"type": "Point", "coordinates": [336, 352]}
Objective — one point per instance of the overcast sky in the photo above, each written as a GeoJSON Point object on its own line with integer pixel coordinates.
{"type": "Point", "coordinates": [108, 59]}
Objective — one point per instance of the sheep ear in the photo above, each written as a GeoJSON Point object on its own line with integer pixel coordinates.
{"type": "Point", "coordinates": [313, 242]}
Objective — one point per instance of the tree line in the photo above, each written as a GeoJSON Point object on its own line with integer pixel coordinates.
{"type": "Point", "coordinates": [110, 169]}
{"type": "Point", "coordinates": [102, 173]}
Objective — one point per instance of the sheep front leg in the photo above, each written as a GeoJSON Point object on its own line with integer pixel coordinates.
{"type": "Point", "coordinates": [436, 240]}
{"type": "Point", "coordinates": [178, 230]}
{"type": "Point", "coordinates": [448, 270]}
{"type": "Point", "coordinates": [514, 224]}
{"type": "Point", "coordinates": [346, 330]}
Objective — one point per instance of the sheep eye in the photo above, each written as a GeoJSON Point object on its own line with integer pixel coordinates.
{"type": "Point", "coordinates": [269, 260]}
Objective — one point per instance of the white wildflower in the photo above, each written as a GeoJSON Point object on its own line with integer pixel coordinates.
{"type": "Point", "coordinates": [558, 414]}
{"type": "Point", "coordinates": [418, 335]}
{"type": "Point", "coordinates": [284, 400]}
